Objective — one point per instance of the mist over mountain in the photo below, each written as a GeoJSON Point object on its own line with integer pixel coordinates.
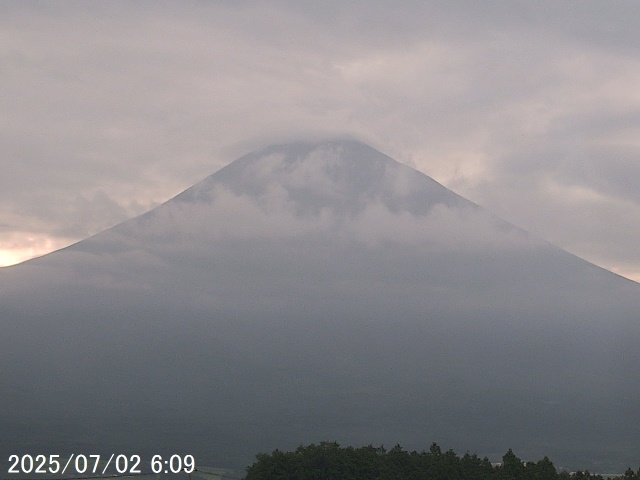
{"type": "Point", "coordinates": [319, 291]}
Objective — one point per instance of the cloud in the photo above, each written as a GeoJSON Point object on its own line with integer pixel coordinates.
{"type": "Point", "coordinates": [139, 101]}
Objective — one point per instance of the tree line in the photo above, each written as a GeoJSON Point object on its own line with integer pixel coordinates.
{"type": "Point", "coordinates": [330, 461]}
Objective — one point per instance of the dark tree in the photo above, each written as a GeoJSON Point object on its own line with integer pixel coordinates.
{"type": "Point", "coordinates": [330, 461]}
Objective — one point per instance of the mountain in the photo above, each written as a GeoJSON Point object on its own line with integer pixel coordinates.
{"type": "Point", "coordinates": [319, 291]}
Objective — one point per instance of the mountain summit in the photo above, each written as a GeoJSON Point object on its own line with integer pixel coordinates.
{"type": "Point", "coordinates": [320, 291]}
{"type": "Point", "coordinates": [344, 176]}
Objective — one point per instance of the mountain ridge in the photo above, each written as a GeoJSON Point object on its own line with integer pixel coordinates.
{"type": "Point", "coordinates": [231, 175]}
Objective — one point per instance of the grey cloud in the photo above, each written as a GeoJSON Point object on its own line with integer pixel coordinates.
{"type": "Point", "coordinates": [149, 99]}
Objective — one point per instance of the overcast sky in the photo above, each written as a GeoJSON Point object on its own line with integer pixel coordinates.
{"type": "Point", "coordinates": [531, 109]}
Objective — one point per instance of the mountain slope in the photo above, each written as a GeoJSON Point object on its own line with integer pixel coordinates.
{"type": "Point", "coordinates": [313, 292]}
